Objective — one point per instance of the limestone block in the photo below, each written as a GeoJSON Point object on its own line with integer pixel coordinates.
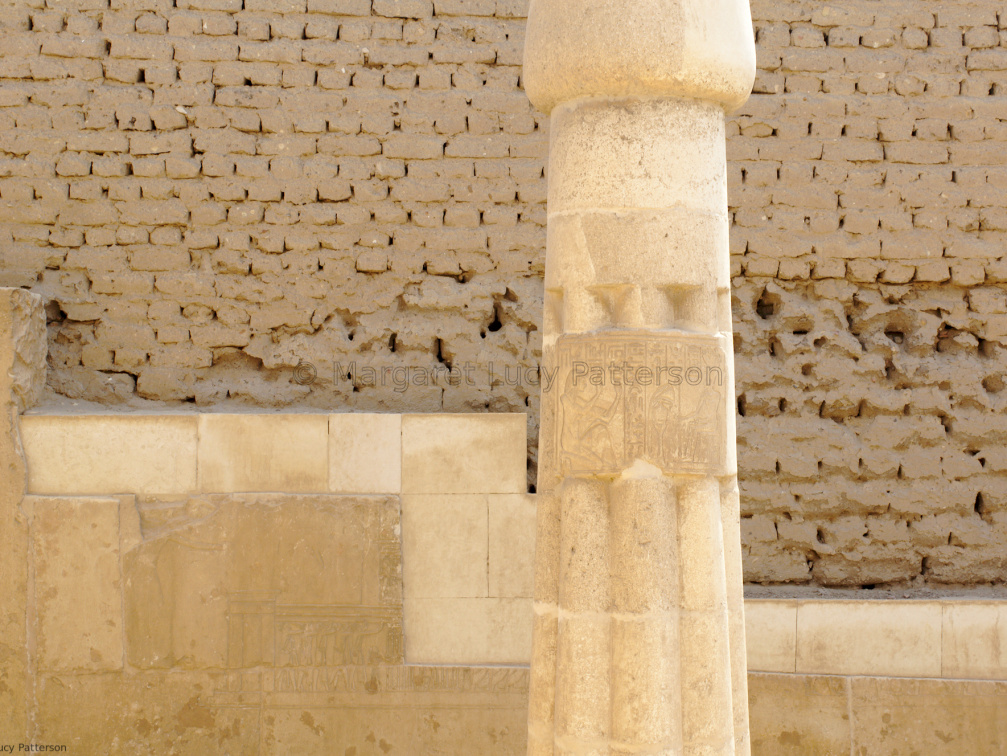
{"type": "Point", "coordinates": [241, 581]}
{"type": "Point", "coordinates": [896, 638]}
{"type": "Point", "coordinates": [468, 630]}
{"type": "Point", "coordinates": [78, 586]}
{"type": "Point", "coordinates": [940, 717]}
{"type": "Point", "coordinates": [698, 50]}
{"type": "Point", "coordinates": [103, 454]}
{"type": "Point", "coordinates": [798, 715]}
{"type": "Point", "coordinates": [464, 453]}
{"type": "Point", "coordinates": [642, 156]}
{"type": "Point", "coordinates": [459, 719]}
{"type": "Point", "coordinates": [974, 640]}
{"type": "Point", "coordinates": [511, 545]}
{"type": "Point", "coordinates": [365, 453]}
{"type": "Point", "coordinates": [771, 635]}
{"type": "Point", "coordinates": [146, 712]}
{"type": "Point", "coordinates": [444, 546]}
{"type": "Point", "coordinates": [275, 452]}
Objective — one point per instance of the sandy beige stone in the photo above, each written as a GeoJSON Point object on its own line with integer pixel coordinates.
{"type": "Point", "coordinates": [263, 453]}
{"type": "Point", "coordinates": [483, 453]}
{"type": "Point", "coordinates": [460, 631]}
{"type": "Point", "coordinates": [974, 640]}
{"type": "Point", "coordinates": [232, 581]}
{"type": "Point", "coordinates": [696, 51]}
{"type": "Point", "coordinates": [897, 638]}
{"type": "Point", "coordinates": [941, 717]}
{"type": "Point", "coordinates": [511, 539]}
{"type": "Point", "coordinates": [141, 454]}
{"type": "Point", "coordinates": [445, 541]}
{"type": "Point", "coordinates": [143, 712]}
{"type": "Point", "coordinates": [78, 585]}
{"type": "Point", "coordinates": [771, 635]}
{"type": "Point", "coordinates": [799, 715]}
{"type": "Point", "coordinates": [365, 453]}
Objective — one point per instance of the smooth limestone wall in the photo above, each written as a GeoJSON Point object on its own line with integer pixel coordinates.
{"type": "Point", "coordinates": [215, 583]}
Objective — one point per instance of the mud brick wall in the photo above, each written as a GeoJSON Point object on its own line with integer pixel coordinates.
{"type": "Point", "coordinates": [210, 193]}
{"type": "Point", "coordinates": [869, 191]}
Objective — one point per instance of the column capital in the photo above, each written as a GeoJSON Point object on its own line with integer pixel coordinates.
{"type": "Point", "coordinates": [694, 49]}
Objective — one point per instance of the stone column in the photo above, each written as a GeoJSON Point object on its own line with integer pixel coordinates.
{"type": "Point", "coordinates": [639, 632]}
{"type": "Point", "coordinates": [22, 378]}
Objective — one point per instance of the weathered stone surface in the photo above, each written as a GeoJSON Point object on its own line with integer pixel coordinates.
{"type": "Point", "coordinates": [21, 345]}
{"type": "Point", "coordinates": [232, 582]}
{"type": "Point", "coordinates": [263, 453]}
{"type": "Point", "coordinates": [142, 454]}
{"type": "Point", "coordinates": [456, 454]}
{"type": "Point", "coordinates": [799, 715]}
{"type": "Point", "coordinates": [75, 557]}
{"type": "Point", "coordinates": [928, 716]}
{"type": "Point", "coordinates": [898, 638]}
{"type": "Point", "coordinates": [365, 453]}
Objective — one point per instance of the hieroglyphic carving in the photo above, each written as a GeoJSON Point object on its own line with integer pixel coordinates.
{"type": "Point", "coordinates": [628, 395]}
{"type": "Point", "coordinates": [262, 632]}
{"type": "Point", "coordinates": [373, 680]}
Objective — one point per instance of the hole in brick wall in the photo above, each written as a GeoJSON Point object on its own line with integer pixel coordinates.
{"type": "Point", "coordinates": [869, 586]}
{"type": "Point", "coordinates": [53, 312]}
{"type": "Point", "coordinates": [391, 342]}
{"type": "Point", "coordinates": [141, 77]}
{"type": "Point", "coordinates": [742, 402]}
{"type": "Point", "coordinates": [819, 465]}
{"type": "Point", "coordinates": [766, 306]}
{"type": "Point", "coordinates": [495, 324]}
{"type": "Point", "coordinates": [993, 384]}
{"type": "Point", "coordinates": [900, 474]}
{"type": "Point", "coordinates": [820, 342]}
{"type": "Point", "coordinates": [897, 336]}
{"type": "Point", "coordinates": [925, 566]}
{"type": "Point", "coordinates": [979, 507]}
{"type": "Point", "coordinates": [807, 369]}
{"type": "Point", "coordinates": [801, 332]}
{"type": "Point", "coordinates": [782, 405]}
{"type": "Point", "coordinates": [946, 422]}
{"type": "Point", "coordinates": [774, 346]}
{"type": "Point", "coordinates": [820, 536]}
{"type": "Point", "coordinates": [441, 357]}
{"type": "Point", "coordinates": [778, 472]}
{"type": "Point", "coordinates": [247, 82]}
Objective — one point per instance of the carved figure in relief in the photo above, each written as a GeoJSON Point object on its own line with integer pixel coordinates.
{"type": "Point", "coordinates": [586, 433]}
